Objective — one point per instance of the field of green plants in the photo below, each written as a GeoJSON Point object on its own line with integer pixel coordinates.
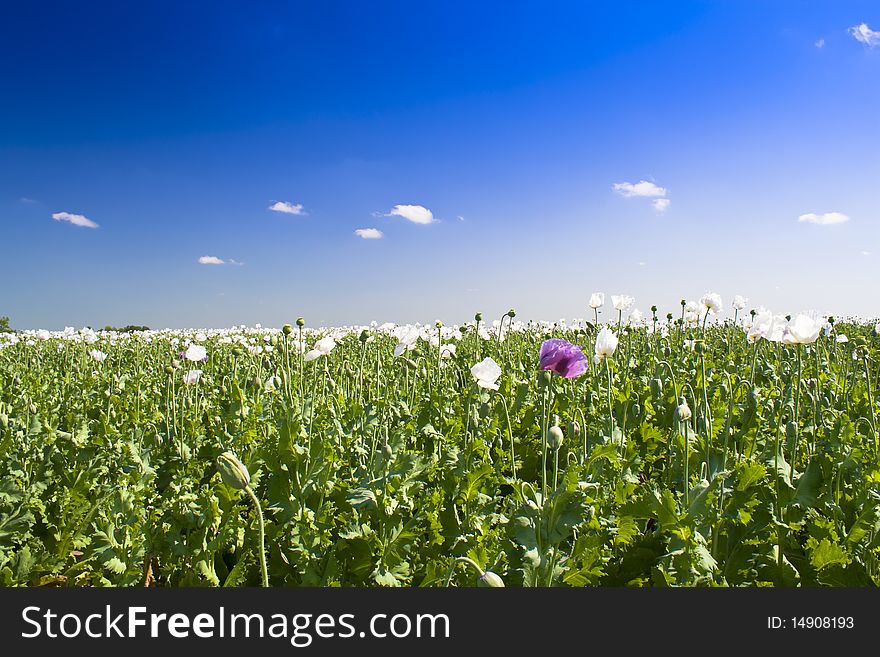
{"type": "Point", "coordinates": [695, 449]}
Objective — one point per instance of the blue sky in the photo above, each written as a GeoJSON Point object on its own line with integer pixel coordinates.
{"type": "Point", "coordinates": [175, 126]}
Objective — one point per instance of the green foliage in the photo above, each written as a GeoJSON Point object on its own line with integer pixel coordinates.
{"type": "Point", "coordinates": [375, 470]}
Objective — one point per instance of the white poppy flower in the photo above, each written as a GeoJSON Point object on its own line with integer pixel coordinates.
{"type": "Point", "coordinates": [802, 329]}
{"type": "Point", "coordinates": [486, 373]}
{"type": "Point", "coordinates": [195, 352]}
{"type": "Point", "coordinates": [606, 343]}
{"type": "Point", "coordinates": [97, 355]}
{"type": "Point", "coordinates": [597, 300]}
{"type": "Point", "coordinates": [842, 338]}
{"type": "Point", "coordinates": [739, 302]}
{"type": "Point", "coordinates": [712, 303]}
{"type": "Point", "coordinates": [192, 377]}
{"type": "Point", "coordinates": [622, 302]}
{"type": "Point", "coordinates": [322, 347]}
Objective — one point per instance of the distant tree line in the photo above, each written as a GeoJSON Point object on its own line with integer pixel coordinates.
{"type": "Point", "coordinates": [4, 325]}
{"type": "Point", "coordinates": [131, 328]}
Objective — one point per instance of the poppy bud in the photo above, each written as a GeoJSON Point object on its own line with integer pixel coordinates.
{"type": "Point", "coordinates": [657, 387]}
{"type": "Point", "coordinates": [752, 397]}
{"type": "Point", "coordinates": [682, 411]}
{"type": "Point", "coordinates": [300, 322]}
{"type": "Point", "coordinates": [387, 452]}
{"type": "Point", "coordinates": [544, 379]}
{"type": "Point", "coordinates": [575, 428]}
{"type": "Point", "coordinates": [287, 329]}
{"type": "Point", "coordinates": [169, 369]}
{"type": "Point", "coordinates": [438, 324]}
{"type": "Point", "coordinates": [4, 421]}
{"type": "Point", "coordinates": [175, 363]}
{"type": "Point", "coordinates": [32, 407]}
{"type": "Point", "coordinates": [490, 579]}
{"type": "Point", "coordinates": [232, 471]}
{"type": "Point", "coordinates": [554, 437]}
{"type": "Point", "coordinates": [791, 431]}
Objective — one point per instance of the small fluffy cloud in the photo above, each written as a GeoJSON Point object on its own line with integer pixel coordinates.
{"type": "Point", "coordinates": [211, 260]}
{"type": "Point", "coordinates": [825, 219]}
{"type": "Point", "coordinates": [820, 43]}
{"type": "Point", "coordinates": [369, 233]}
{"type": "Point", "coordinates": [661, 204]}
{"type": "Point", "coordinates": [287, 208]}
{"type": "Point", "coordinates": [866, 35]}
{"type": "Point", "coordinates": [641, 188]}
{"type": "Point", "coordinates": [75, 219]}
{"type": "Point", "coordinates": [415, 213]}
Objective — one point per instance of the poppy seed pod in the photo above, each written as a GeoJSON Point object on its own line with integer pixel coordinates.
{"type": "Point", "coordinates": [682, 411]}
{"type": "Point", "coordinates": [232, 471]}
{"type": "Point", "coordinates": [364, 336]}
{"type": "Point", "coordinates": [654, 309]}
{"type": "Point", "coordinates": [287, 329]}
{"type": "Point", "coordinates": [511, 313]}
{"type": "Point", "coordinates": [478, 317]}
{"type": "Point", "coordinates": [668, 317]}
{"type": "Point", "coordinates": [555, 437]}
{"type": "Point", "coordinates": [300, 322]}
{"type": "Point", "coordinates": [490, 579]}
{"type": "Point", "coordinates": [438, 324]}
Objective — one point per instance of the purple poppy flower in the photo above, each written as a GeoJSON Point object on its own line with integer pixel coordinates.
{"type": "Point", "coordinates": [563, 357]}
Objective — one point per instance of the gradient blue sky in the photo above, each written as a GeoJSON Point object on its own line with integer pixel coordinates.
{"type": "Point", "coordinates": [174, 126]}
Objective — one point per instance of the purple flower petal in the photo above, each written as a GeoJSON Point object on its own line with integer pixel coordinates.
{"type": "Point", "coordinates": [564, 358]}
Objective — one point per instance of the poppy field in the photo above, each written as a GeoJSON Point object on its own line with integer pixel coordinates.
{"type": "Point", "coordinates": [700, 448]}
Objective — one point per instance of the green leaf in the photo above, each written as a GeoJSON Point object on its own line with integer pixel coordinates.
{"type": "Point", "coordinates": [808, 486]}
{"type": "Point", "coordinates": [827, 553]}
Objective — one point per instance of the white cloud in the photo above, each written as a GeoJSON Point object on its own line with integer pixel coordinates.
{"type": "Point", "coordinates": [211, 260]}
{"type": "Point", "coordinates": [823, 219]}
{"type": "Point", "coordinates": [866, 253]}
{"type": "Point", "coordinates": [820, 43]}
{"type": "Point", "coordinates": [369, 233]}
{"type": "Point", "coordinates": [866, 35]}
{"type": "Point", "coordinates": [75, 219]}
{"type": "Point", "coordinates": [460, 218]}
{"type": "Point", "coordinates": [287, 208]}
{"type": "Point", "coordinates": [27, 201]}
{"type": "Point", "coordinates": [641, 188]}
{"type": "Point", "coordinates": [661, 204]}
{"type": "Point", "coordinates": [415, 213]}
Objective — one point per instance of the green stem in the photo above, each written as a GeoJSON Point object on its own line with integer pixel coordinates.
{"type": "Point", "coordinates": [263, 570]}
